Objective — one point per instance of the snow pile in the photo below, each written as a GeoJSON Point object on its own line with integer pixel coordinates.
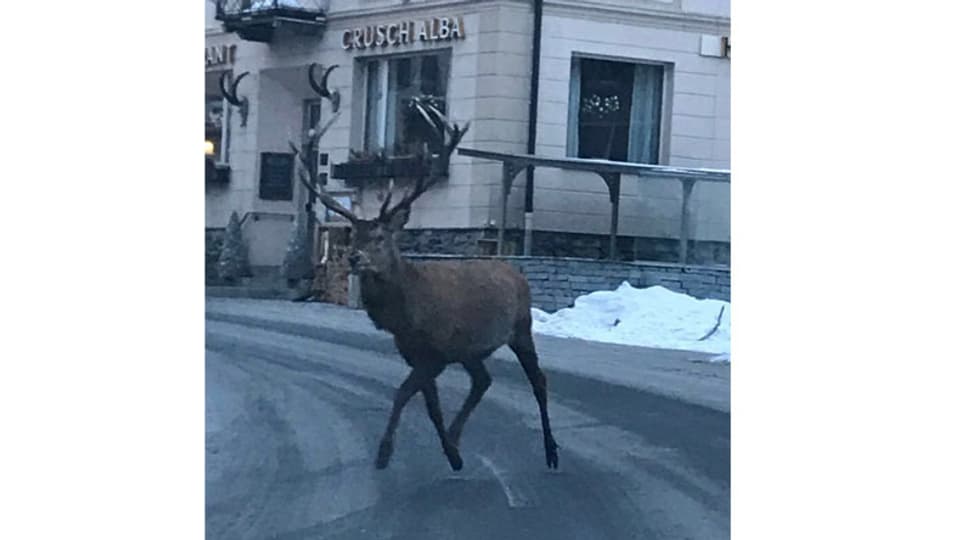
{"type": "Point", "coordinates": [652, 317]}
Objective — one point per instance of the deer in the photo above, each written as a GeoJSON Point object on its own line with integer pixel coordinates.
{"type": "Point", "coordinates": [438, 312]}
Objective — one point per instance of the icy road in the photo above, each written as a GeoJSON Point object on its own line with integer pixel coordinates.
{"type": "Point", "coordinates": [293, 420]}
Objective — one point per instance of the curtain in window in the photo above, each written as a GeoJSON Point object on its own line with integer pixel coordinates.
{"type": "Point", "coordinates": [645, 114]}
{"type": "Point", "coordinates": [573, 110]}
{"type": "Point", "coordinates": [372, 117]}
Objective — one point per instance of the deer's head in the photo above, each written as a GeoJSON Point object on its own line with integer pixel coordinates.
{"type": "Point", "coordinates": [373, 245]}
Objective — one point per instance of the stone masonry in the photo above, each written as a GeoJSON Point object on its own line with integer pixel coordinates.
{"type": "Point", "coordinates": [556, 282]}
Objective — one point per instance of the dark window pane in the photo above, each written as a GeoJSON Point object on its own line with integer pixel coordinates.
{"type": "Point", "coordinates": [403, 70]}
{"type": "Point", "coordinates": [606, 92]}
{"type": "Point", "coordinates": [372, 116]}
{"type": "Point", "coordinates": [413, 77]}
{"type": "Point", "coordinates": [430, 76]}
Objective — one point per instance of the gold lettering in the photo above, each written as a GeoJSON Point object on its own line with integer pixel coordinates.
{"type": "Point", "coordinates": [381, 36]}
{"type": "Point", "coordinates": [368, 36]}
{"type": "Point", "coordinates": [422, 31]}
{"type": "Point", "coordinates": [456, 31]}
{"type": "Point", "coordinates": [444, 32]}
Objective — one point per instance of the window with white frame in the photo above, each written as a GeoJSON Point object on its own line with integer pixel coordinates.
{"type": "Point", "coordinates": [390, 124]}
{"type": "Point", "coordinates": [615, 110]}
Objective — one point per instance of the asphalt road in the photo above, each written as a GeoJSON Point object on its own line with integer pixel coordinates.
{"type": "Point", "coordinates": [292, 426]}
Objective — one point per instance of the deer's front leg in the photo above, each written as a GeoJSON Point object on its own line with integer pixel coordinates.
{"type": "Point", "coordinates": [479, 382]}
{"type": "Point", "coordinates": [410, 386]}
{"type": "Point", "coordinates": [432, 398]}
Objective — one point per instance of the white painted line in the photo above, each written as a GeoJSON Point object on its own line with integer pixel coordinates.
{"type": "Point", "coordinates": [514, 499]}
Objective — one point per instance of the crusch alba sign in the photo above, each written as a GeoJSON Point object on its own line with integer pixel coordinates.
{"type": "Point", "coordinates": [404, 32]}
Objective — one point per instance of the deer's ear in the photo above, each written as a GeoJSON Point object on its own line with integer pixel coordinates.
{"type": "Point", "coordinates": [399, 219]}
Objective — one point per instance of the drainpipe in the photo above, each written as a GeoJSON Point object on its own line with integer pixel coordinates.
{"type": "Point", "coordinates": [532, 126]}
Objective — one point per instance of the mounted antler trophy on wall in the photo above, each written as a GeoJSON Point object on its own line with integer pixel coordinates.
{"type": "Point", "coordinates": [243, 104]}
{"type": "Point", "coordinates": [321, 87]}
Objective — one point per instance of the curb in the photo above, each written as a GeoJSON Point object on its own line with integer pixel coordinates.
{"type": "Point", "coordinates": [370, 341]}
{"type": "Point", "coordinates": [258, 293]}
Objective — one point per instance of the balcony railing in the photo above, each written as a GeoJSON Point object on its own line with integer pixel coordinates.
{"type": "Point", "coordinates": [257, 20]}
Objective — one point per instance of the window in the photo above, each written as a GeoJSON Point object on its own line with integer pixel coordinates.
{"type": "Point", "coordinates": [215, 149]}
{"type": "Point", "coordinates": [615, 110]}
{"type": "Point", "coordinates": [390, 125]}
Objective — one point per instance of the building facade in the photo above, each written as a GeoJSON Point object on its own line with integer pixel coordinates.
{"type": "Point", "coordinates": [629, 80]}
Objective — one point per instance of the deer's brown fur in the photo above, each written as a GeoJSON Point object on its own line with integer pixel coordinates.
{"type": "Point", "coordinates": [461, 309]}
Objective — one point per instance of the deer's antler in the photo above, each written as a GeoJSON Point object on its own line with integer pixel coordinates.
{"type": "Point", "coordinates": [386, 201]}
{"type": "Point", "coordinates": [308, 175]}
{"type": "Point", "coordinates": [440, 126]}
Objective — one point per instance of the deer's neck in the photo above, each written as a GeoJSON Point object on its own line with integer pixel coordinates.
{"type": "Point", "coordinates": [384, 295]}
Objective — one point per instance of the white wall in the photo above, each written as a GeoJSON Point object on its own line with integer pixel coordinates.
{"type": "Point", "coordinates": [696, 133]}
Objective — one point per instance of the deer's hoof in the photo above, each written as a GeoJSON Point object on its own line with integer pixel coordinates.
{"type": "Point", "coordinates": [383, 455]}
{"type": "Point", "coordinates": [456, 463]}
{"type": "Point", "coordinates": [553, 459]}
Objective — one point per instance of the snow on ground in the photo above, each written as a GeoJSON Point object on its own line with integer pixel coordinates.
{"type": "Point", "coordinates": [652, 317]}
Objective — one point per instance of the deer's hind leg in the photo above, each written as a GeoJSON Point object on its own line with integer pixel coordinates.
{"type": "Point", "coordinates": [522, 345]}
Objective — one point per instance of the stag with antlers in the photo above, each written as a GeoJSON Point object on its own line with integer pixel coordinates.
{"type": "Point", "coordinates": [439, 312]}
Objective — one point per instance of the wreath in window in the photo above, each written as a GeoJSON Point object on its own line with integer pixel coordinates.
{"type": "Point", "coordinates": [600, 106]}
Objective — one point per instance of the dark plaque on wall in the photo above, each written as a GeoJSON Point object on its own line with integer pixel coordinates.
{"type": "Point", "coordinates": [276, 176]}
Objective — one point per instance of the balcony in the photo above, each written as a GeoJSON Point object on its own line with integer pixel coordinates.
{"type": "Point", "coordinates": [259, 20]}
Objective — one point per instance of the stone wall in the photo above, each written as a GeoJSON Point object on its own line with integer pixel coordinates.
{"type": "Point", "coordinates": [555, 282]}
{"type": "Point", "coordinates": [444, 241]}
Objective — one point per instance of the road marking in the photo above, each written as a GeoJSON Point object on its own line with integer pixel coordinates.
{"type": "Point", "coordinates": [514, 499]}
